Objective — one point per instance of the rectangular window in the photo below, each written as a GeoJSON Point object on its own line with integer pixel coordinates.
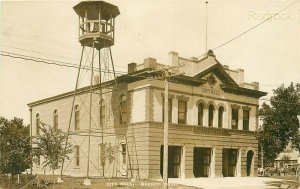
{"type": "Point", "coordinates": [246, 120]}
{"type": "Point", "coordinates": [102, 115]}
{"type": "Point", "coordinates": [77, 160]}
{"type": "Point", "coordinates": [169, 110]}
{"type": "Point", "coordinates": [234, 118]}
{"type": "Point", "coordinates": [123, 153]}
{"type": "Point", "coordinates": [102, 154]}
{"type": "Point", "coordinates": [182, 108]}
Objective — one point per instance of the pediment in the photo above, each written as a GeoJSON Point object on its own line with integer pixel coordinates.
{"type": "Point", "coordinates": [211, 81]}
{"type": "Point", "coordinates": [216, 73]}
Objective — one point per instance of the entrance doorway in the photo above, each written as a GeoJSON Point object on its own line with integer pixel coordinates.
{"type": "Point", "coordinates": [250, 163]}
{"type": "Point", "coordinates": [174, 161]}
{"type": "Point", "coordinates": [202, 159]}
{"type": "Point", "coordinates": [229, 162]}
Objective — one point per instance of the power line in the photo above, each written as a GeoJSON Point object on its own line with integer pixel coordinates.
{"type": "Point", "coordinates": [60, 63]}
{"type": "Point", "coordinates": [50, 62]}
{"type": "Point", "coordinates": [38, 52]}
{"type": "Point", "coordinates": [43, 53]}
{"type": "Point", "coordinates": [257, 25]}
{"type": "Point", "coordinates": [36, 57]}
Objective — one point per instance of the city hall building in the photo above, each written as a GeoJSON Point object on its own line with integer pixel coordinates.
{"type": "Point", "coordinates": [212, 112]}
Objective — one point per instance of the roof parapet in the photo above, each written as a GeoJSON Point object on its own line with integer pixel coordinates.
{"type": "Point", "coordinates": [173, 58]}
{"type": "Point", "coordinates": [150, 63]}
{"type": "Point", "coordinates": [132, 67]}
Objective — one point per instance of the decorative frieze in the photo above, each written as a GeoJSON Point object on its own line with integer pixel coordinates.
{"type": "Point", "coordinates": [210, 130]}
{"type": "Point", "coordinates": [182, 97]}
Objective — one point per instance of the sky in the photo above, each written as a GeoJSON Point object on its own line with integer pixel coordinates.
{"type": "Point", "coordinates": [269, 54]}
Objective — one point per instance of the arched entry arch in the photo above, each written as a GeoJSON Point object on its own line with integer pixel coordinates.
{"type": "Point", "coordinates": [250, 163]}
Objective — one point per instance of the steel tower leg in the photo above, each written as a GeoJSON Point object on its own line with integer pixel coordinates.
{"type": "Point", "coordinates": [60, 180]}
{"type": "Point", "coordinates": [87, 181]}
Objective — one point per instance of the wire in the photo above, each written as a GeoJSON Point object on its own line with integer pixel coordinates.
{"type": "Point", "coordinates": [245, 32]}
{"type": "Point", "coordinates": [51, 62]}
{"type": "Point", "coordinates": [43, 53]}
{"type": "Point", "coordinates": [38, 52]}
{"type": "Point", "coordinates": [36, 57]}
{"type": "Point", "coordinates": [60, 63]}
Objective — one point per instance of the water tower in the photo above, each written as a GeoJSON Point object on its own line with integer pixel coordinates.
{"type": "Point", "coordinates": [96, 34]}
{"type": "Point", "coordinates": [96, 23]}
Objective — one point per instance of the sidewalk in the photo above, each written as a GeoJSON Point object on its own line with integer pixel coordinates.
{"type": "Point", "coordinates": [230, 182]}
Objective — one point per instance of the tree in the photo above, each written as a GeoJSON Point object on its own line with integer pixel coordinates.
{"type": "Point", "coordinates": [280, 123]}
{"type": "Point", "coordinates": [15, 146]}
{"type": "Point", "coordinates": [50, 145]}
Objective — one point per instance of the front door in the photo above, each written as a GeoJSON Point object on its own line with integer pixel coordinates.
{"type": "Point", "coordinates": [250, 163]}
{"type": "Point", "coordinates": [202, 159]}
{"type": "Point", "coordinates": [175, 156]}
{"type": "Point", "coordinates": [174, 161]}
{"type": "Point", "coordinates": [229, 161]}
{"type": "Point", "coordinates": [232, 160]}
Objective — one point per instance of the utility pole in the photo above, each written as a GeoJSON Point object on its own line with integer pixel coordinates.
{"type": "Point", "coordinates": [166, 76]}
{"type": "Point", "coordinates": [166, 130]}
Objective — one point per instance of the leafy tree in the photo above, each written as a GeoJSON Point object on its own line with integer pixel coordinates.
{"type": "Point", "coordinates": [110, 152]}
{"type": "Point", "coordinates": [280, 123]}
{"type": "Point", "coordinates": [15, 146]}
{"type": "Point", "coordinates": [50, 145]}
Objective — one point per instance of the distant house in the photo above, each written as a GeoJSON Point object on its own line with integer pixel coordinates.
{"type": "Point", "coordinates": [287, 158]}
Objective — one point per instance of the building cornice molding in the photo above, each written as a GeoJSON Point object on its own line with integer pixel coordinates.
{"type": "Point", "coordinates": [199, 95]}
{"type": "Point", "coordinates": [243, 91]}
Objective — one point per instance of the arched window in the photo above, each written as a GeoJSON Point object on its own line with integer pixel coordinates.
{"type": "Point", "coordinates": [220, 116]}
{"type": "Point", "coordinates": [55, 119]}
{"type": "Point", "coordinates": [102, 112]}
{"type": "Point", "coordinates": [200, 113]}
{"type": "Point", "coordinates": [38, 124]}
{"type": "Point", "coordinates": [77, 117]}
{"type": "Point", "coordinates": [211, 115]}
{"type": "Point", "coordinates": [123, 109]}
{"type": "Point", "coordinates": [102, 154]}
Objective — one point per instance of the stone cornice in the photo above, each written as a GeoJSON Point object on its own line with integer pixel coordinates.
{"type": "Point", "coordinates": [243, 91]}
